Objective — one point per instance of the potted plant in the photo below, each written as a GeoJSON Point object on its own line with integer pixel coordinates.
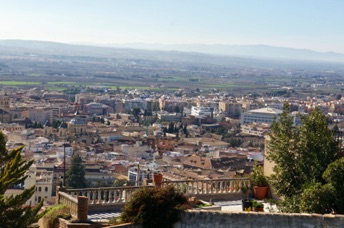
{"type": "Point", "coordinates": [259, 181]}
{"type": "Point", "coordinates": [246, 205]}
{"type": "Point", "coordinates": [157, 177]}
{"type": "Point", "coordinates": [257, 206]}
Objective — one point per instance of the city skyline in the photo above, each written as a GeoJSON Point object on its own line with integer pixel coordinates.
{"type": "Point", "coordinates": [314, 25]}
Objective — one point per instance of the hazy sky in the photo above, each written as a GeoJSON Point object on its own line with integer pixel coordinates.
{"type": "Point", "coordinates": [311, 24]}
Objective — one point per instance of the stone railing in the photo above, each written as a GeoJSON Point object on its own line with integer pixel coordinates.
{"type": "Point", "coordinates": [114, 198]}
{"type": "Point", "coordinates": [209, 187]}
{"type": "Point", "coordinates": [106, 195]}
{"type": "Point", "coordinates": [78, 206]}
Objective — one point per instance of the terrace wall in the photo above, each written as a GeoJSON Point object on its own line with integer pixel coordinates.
{"type": "Point", "coordinates": [212, 219]}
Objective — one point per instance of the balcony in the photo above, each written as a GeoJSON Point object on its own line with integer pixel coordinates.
{"type": "Point", "coordinates": [114, 198]}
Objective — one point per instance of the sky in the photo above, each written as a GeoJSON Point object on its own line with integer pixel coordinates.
{"type": "Point", "coordinates": [306, 24]}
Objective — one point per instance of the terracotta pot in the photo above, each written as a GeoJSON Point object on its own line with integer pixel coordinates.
{"type": "Point", "coordinates": [157, 178]}
{"type": "Point", "coordinates": [259, 209]}
{"type": "Point", "coordinates": [260, 192]}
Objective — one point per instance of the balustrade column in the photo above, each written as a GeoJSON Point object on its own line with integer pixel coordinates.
{"type": "Point", "coordinates": [110, 196]}
{"type": "Point", "coordinates": [88, 194]}
{"type": "Point", "coordinates": [120, 195]}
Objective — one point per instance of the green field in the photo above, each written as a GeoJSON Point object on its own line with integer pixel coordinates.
{"type": "Point", "coordinates": [228, 85]}
{"type": "Point", "coordinates": [18, 83]}
{"type": "Point", "coordinates": [63, 83]}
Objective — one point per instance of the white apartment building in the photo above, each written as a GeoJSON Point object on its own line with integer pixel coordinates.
{"type": "Point", "coordinates": [263, 115]}
{"type": "Point", "coordinates": [44, 184]}
{"type": "Point", "coordinates": [256, 129]}
{"type": "Point", "coordinates": [201, 112]}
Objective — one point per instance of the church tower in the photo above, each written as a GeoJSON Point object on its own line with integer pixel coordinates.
{"type": "Point", "coordinates": [5, 116]}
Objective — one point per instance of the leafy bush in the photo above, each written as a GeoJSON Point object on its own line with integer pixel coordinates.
{"type": "Point", "coordinates": [257, 176]}
{"type": "Point", "coordinates": [256, 204]}
{"type": "Point", "coordinates": [334, 175]}
{"type": "Point", "coordinates": [155, 207]}
{"type": "Point", "coordinates": [317, 197]}
{"type": "Point", "coordinates": [55, 212]}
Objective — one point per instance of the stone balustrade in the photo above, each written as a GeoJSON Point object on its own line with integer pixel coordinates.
{"type": "Point", "coordinates": [209, 187]}
{"type": "Point", "coordinates": [69, 201]}
{"type": "Point", "coordinates": [120, 195]}
{"type": "Point", "coordinates": [106, 195]}
{"type": "Point", "coordinates": [78, 205]}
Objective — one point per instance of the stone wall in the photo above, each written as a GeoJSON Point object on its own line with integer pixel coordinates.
{"type": "Point", "coordinates": [216, 219]}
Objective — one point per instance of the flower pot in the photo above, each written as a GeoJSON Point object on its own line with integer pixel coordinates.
{"type": "Point", "coordinates": [157, 177]}
{"type": "Point", "coordinates": [246, 205]}
{"type": "Point", "coordinates": [258, 209]}
{"type": "Point", "coordinates": [260, 192]}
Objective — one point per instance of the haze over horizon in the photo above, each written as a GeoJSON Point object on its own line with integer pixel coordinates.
{"type": "Point", "coordinates": [314, 25]}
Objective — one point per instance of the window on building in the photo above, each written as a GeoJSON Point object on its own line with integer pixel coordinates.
{"type": "Point", "coordinates": [46, 189]}
{"type": "Point", "coordinates": [39, 189]}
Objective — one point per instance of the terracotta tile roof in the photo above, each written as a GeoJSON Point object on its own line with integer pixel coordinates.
{"type": "Point", "coordinates": [197, 162]}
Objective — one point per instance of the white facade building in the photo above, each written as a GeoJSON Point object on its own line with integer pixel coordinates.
{"type": "Point", "coordinates": [169, 117]}
{"type": "Point", "coordinates": [263, 115]}
{"type": "Point", "coordinates": [201, 112]}
{"type": "Point", "coordinates": [44, 184]}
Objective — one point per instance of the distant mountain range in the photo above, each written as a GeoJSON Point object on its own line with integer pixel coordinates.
{"type": "Point", "coordinates": [212, 54]}
{"type": "Point", "coordinates": [247, 51]}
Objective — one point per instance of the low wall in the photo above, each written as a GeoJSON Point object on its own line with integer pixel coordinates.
{"type": "Point", "coordinates": [221, 197]}
{"type": "Point", "coordinates": [216, 219]}
{"type": "Point", "coordinates": [62, 223]}
{"type": "Point", "coordinates": [93, 208]}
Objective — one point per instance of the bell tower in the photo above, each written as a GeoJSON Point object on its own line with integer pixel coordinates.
{"type": "Point", "coordinates": [5, 102]}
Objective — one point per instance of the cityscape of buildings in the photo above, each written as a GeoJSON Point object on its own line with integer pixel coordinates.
{"type": "Point", "coordinates": [130, 135]}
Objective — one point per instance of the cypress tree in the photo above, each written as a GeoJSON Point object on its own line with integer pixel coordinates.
{"type": "Point", "coordinates": [76, 173]}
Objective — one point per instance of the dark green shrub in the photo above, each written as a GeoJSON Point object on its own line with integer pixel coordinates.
{"type": "Point", "coordinates": [256, 204]}
{"type": "Point", "coordinates": [334, 175]}
{"type": "Point", "coordinates": [317, 197]}
{"type": "Point", "coordinates": [155, 207]}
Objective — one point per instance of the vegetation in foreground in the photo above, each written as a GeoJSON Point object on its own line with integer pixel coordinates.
{"type": "Point", "coordinates": [155, 207]}
{"type": "Point", "coordinates": [308, 174]}
{"type": "Point", "coordinates": [55, 212]}
{"type": "Point", "coordinates": [13, 168]}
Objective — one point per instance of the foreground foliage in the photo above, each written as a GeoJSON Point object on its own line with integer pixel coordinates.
{"type": "Point", "coordinates": [55, 212]}
{"type": "Point", "coordinates": [13, 212]}
{"type": "Point", "coordinates": [76, 173]}
{"type": "Point", "coordinates": [305, 157]}
{"type": "Point", "coordinates": [155, 207]}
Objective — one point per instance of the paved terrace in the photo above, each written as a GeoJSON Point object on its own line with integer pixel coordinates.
{"type": "Point", "coordinates": [102, 203]}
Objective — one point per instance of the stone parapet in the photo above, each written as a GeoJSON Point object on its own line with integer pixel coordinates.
{"type": "Point", "coordinates": [224, 219]}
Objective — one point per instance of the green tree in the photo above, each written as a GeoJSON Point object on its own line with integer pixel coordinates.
{"type": "Point", "coordinates": [119, 183]}
{"type": "Point", "coordinates": [76, 173]}
{"type": "Point", "coordinates": [136, 111]}
{"type": "Point", "coordinates": [334, 176]}
{"type": "Point", "coordinates": [155, 207]}
{"type": "Point", "coordinates": [301, 155]}
{"type": "Point", "coordinates": [56, 123]}
{"type": "Point", "coordinates": [13, 212]}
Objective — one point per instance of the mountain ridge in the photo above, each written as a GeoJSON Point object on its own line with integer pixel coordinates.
{"type": "Point", "coordinates": [259, 51]}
